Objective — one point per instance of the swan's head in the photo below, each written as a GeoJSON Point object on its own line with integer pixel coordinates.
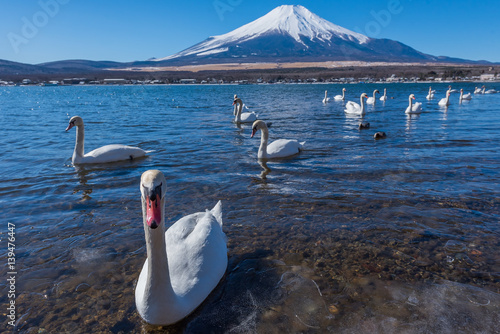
{"type": "Point", "coordinates": [258, 125]}
{"type": "Point", "coordinates": [344, 90]}
{"type": "Point", "coordinates": [364, 95]}
{"type": "Point", "coordinates": [376, 91]}
{"type": "Point", "coordinates": [236, 100]}
{"type": "Point", "coordinates": [461, 90]}
{"type": "Point", "coordinates": [74, 121]}
{"type": "Point", "coordinates": [412, 96]}
{"type": "Point", "coordinates": [153, 188]}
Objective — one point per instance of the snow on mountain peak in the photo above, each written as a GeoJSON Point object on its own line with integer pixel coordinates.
{"type": "Point", "coordinates": [294, 20]}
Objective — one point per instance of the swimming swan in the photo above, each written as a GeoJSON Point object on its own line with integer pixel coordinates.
{"type": "Point", "coordinates": [108, 153]}
{"type": "Point", "coordinates": [277, 149]}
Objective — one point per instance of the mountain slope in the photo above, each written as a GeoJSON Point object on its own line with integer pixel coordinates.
{"type": "Point", "coordinates": [293, 33]}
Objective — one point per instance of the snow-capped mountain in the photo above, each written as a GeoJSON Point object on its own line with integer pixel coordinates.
{"type": "Point", "coordinates": [293, 33]}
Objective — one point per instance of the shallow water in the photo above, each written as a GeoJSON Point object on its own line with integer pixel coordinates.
{"type": "Point", "coordinates": [398, 235]}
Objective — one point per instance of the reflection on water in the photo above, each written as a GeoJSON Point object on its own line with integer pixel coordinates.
{"type": "Point", "coordinates": [351, 236]}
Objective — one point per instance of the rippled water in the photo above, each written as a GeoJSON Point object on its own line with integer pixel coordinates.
{"type": "Point", "coordinates": [398, 235]}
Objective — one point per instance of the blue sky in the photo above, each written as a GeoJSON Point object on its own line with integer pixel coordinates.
{"type": "Point", "coordinates": [48, 30]}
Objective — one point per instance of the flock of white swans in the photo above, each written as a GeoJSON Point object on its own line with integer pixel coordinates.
{"type": "Point", "coordinates": [186, 261]}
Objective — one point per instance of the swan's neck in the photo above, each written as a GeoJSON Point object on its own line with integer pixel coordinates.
{"type": "Point", "coordinates": [343, 94]}
{"type": "Point", "coordinates": [263, 144]}
{"type": "Point", "coordinates": [239, 108]}
{"type": "Point", "coordinates": [80, 142]}
{"type": "Point", "coordinates": [326, 93]}
{"type": "Point", "coordinates": [158, 286]}
{"type": "Point", "coordinates": [411, 103]}
{"type": "Point", "coordinates": [362, 102]}
{"type": "Point", "coordinates": [374, 97]}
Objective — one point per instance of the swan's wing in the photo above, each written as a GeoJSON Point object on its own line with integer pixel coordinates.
{"type": "Point", "coordinates": [352, 107]}
{"type": "Point", "coordinates": [248, 117]}
{"type": "Point", "coordinates": [110, 153]}
{"type": "Point", "coordinates": [417, 106]}
{"type": "Point", "coordinates": [283, 148]}
{"type": "Point", "coordinates": [197, 253]}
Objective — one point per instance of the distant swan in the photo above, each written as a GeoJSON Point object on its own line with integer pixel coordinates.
{"type": "Point", "coordinates": [280, 148]}
{"type": "Point", "coordinates": [371, 100]}
{"type": "Point", "coordinates": [490, 91]}
{"type": "Point", "coordinates": [184, 263]}
{"type": "Point", "coordinates": [384, 97]}
{"type": "Point", "coordinates": [326, 99]}
{"type": "Point", "coordinates": [354, 108]}
{"type": "Point", "coordinates": [340, 97]}
{"type": "Point", "coordinates": [445, 101]}
{"type": "Point", "coordinates": [246, 117]}
{"type": "Point", "coordinates": [414, 108]}
{"type": "Point", "coordinates": [430, 96]}
{"type": "Point", "coordinates": [478, 90]}
{"type": "Point", "coordinates": [467, 96]}
{"type": "Point", "coordinates": [108, 153]}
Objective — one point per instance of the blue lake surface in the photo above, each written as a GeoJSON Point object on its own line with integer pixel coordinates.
{"type": "Point", "coordinates": [353, 235]}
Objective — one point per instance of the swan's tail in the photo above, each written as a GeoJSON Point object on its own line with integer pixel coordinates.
{"type": "Point", "coordinates": [302, 144]}
{"type": "Point", "coordinates": [217, 212]}
{"type": "Point", "coordinates": [150, 151]}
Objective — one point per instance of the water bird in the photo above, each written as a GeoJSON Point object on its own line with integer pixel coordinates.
{"type": "Point", "coordinates": [340, 97]}
{"type": "Point", "coordinates": [280, 148]}
{"type": "Point", "coordinates": [414, 108]}
{"type": "Point", "coordinates": [430, 96]}
{"type": "Point", "coordinates": [490, 91]}
{"type": "Point", "coordinates": [446, 100]}
{"type": "Point", "coordinates": [364, 125]}
{"type": "Point", "coordinates": [354, 108]}
{"type": "Point", "coordinates": [184, 262]}
{"type": "Point", "coordinates": [242, 117]}
{"type": "Point", "coordinates": [371, 100]}
{"type": "Point", "coordinates": [104, 154]}
{"type": "Point", "coordinates": [467, 96]}
{"type": "Point", "coordinates": [379, 135]}
{"type": "Point", "coordinates": [326, 99]}
{"type": "Point", "coordinates": [478, 90]}
{"type": "Point", "coordinates": [384, 97]}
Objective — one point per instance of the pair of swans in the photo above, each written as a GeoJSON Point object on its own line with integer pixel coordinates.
{"type": "Point", "coordinates": [239, 116]}
{"type": "Point", "coordinates": [104, 154]}
{"type": "Point", "coordinates": [336, 97]}
{"type": "Point", "coordinates": [483, 90]}
{"type": "Point", "coordinates": [184, 262]}
{"type": "Point", "coordinates": [414, 108]}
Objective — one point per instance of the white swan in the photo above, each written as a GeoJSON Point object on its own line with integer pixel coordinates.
{"type": "Point", "coordinates": [280, 148]}
{"type": "Point", "coordinates": [108, 153]}
{"type": "Point", "coordinates": [371, 100]}
{"type": "Point", "coordinates": [446, 100]}
{"type": "Point", "coordinates": [467, 96]}
{"type": "Point", "coordinates": [246, 117]}
{"type": "Point", "coordinates": [184, 264]}
{"type": "Point", "coordinates": [490, 91]}
{"type": "Point", "coordinates": [478, 90]}
{"type": "Point", "coordinates": [340, 97]}
{"type": "Point", "coordinates": [414, 108]}
{"type": "Point", "coordinates": [354, 108]}
{"type": "Point", "coordinates": [326, 99]}
{"type": "Point", "coordinates": [384, 97]}
{"type": "Point", "coordinates": [430, 96]}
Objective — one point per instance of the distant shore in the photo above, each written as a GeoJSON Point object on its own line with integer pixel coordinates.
{"type": "Point", "coordinates": [249, 73]}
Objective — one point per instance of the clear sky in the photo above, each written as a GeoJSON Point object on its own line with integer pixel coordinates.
{"type": "Point", "coordinates": [37, 31]}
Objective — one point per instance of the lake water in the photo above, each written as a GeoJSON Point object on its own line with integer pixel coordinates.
{"type": "Point", "coordinates": [354, 235]}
